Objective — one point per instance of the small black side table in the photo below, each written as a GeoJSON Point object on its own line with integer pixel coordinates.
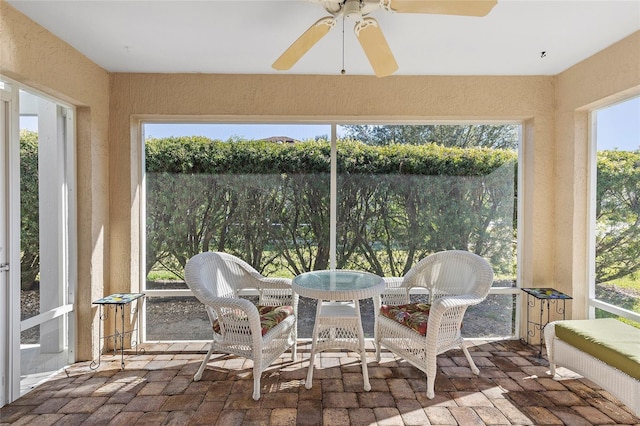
{"type": "Point", "coordinates": [551, 297]}
{"type": "Point", "coordinates": [117, 301]}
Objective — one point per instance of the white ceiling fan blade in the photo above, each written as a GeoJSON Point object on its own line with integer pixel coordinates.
{"type": "Point", "coordinates": [441, 7]}
{"type": "Point", "coordinates": [376, 48]}
{"type": "Point", "coordinates": [305, 42]}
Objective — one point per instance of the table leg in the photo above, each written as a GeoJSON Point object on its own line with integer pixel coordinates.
{"type": "Point", "coordinates": [121, 336]}
{"type": "Point", "coordinates": [314, 340]}
{"type": "Point", "coordinates": [540, 325]}
{"type": "Point", "coordinates": [363, 352]}
{"type": "Point", "coordinates": [94, 365]}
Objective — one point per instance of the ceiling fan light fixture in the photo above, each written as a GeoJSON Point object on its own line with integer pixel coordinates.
{"type": "Point", "coordinates": [351, 10]}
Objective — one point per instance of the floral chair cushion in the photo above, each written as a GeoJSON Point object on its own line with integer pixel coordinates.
{"type": "Point", "coordinates": [412, 315]}
{"type": "Point", "coordinates": [270, 316]}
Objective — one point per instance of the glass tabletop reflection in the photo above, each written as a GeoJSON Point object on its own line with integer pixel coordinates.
{"type": "Point", "coordinates": [338, 284]}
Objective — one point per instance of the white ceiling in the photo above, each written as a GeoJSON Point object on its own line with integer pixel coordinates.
{"type": "Point", "coordinates": [245, 37]}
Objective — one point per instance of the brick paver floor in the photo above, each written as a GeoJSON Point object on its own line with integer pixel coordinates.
{"type": "Point", "coordinates": [156, 387]}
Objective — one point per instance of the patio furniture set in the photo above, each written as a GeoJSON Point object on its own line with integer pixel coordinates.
{"type": "Point", "coordinates": [605, 351]}
{"type": "Point", "coordinates": [417, 332]}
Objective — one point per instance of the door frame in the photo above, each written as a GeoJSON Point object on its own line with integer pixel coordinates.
{"type": "Point", "coordinates": [10, 235]}
{"type": "Point", "coordinates": [10, 230]}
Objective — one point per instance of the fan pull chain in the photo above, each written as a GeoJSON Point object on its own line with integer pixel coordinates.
{"type": "Point", "coordinates": [343, 70]}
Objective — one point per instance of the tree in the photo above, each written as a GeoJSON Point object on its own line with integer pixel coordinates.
{"type": "Point", "coordinates": [269, 203]}
{"type": "Point", "coordinates": [617, 215]}
{"type": "Point", "coordinates": [29, 210]}
{"type": "Point", "coordinates": [497, 136]}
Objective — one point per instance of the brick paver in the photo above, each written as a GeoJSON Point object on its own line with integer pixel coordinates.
{"type": "Point", "coordinates": [491, 416]}
{"type": "Point", "coordinates": [440, 416]}
{"type": "Point", "coordinates": [387, 416]}
{"type": "Point", "coordinates": [84, 404]}
{"type": "Point", "coordinates": [157, 387]}
{"type": "Point", "coordinates": [376, 399]}
{"type": "Point", "coordinates": [335, 416]}
{"type": "Point", "coordinates": [361, 417]}
{"type": "Point", "coordinates": [412, 412]}
{"type": "Point", "coordinates": [466, 416]}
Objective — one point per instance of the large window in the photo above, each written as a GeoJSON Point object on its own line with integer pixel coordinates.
{"type": "Point", "coordinates": [293, 198]}
{"type": "Point", "coordinates": [615, 290]}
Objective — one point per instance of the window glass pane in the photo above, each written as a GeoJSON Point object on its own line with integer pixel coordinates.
{"type": "Point", "coordinates": [600, 313]}
{"type": "Point", "coordinates": [495, 317]}
{"type": "Point", "coordinates": [29, 207]}
{"type": "Point", "coordinates": [39, 359]}
{"type": "Point", "coordinates": [266, 199]}
{"type": "Point", "coordinates": [405, 192]}
{"type": "Point", "coordinates": [259, 192]}
{"type": "Point", "coordinates": [617, 250]}
{"type": "Point", "coordinates": [45, 251]}
{"type": "Point", "coordinates": [176, 318]}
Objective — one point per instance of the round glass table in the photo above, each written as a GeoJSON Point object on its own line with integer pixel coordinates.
{"type": "Point", "coordinates": [338, 324]}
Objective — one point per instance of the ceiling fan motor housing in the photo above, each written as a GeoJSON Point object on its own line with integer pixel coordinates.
{"type": "Point", "coordinates": [351, 10]}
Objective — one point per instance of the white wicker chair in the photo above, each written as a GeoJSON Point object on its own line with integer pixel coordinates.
{"type": "Point", "coordinates": [216, 280]}
{"type": "Point", "coordinates": [455, 280]}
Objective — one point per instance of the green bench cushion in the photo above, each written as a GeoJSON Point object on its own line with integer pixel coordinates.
{"type": "Point", "coordinates": [607, 339]}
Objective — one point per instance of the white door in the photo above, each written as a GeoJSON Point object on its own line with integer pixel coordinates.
{"type": "Point", "coordinates": [9, 252]}
{"type": "Point", "coordinates": [47, 249]}
{"type": "Point", "coordinates": [37, 239]}
{"type": "Point", "coordinates": [4, 331]}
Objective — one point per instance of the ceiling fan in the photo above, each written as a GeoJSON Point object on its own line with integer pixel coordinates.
{"type": "Point", "coordinates": [368, 30]}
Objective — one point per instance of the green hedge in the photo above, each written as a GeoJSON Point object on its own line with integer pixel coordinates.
{"type": "Point", "coordinates": [269, 203]}
{"type": "Point", "coordinates": [202, 155]}
{"type": "Point", "coordinates": [29, 210]}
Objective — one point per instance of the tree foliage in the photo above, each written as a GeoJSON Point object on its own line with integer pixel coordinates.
{"type": "Point", "coordinates": [617, 215]}
{"type": "Point", "coordinates": [29, 210]}
{"type": "Point", "coordinates": [269, 203]}
{"type": "Point", "coordinates": [497, 136]}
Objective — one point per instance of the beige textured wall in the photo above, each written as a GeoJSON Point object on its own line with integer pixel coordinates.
{"type": "Point", "coordinates": [31, 55]}
{"type": "Point", "coordinates": [608, 76]}
{"type": "Point", "coordinates": [291, 97]}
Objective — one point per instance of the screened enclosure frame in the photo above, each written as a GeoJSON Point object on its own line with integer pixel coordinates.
{"type": "Point", "coordinates": [139, 122]}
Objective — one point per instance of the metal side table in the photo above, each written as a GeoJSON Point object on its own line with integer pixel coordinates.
{"type": "Point", "coordinates": [117, 302]}
{"type": "Point", "coordinates": [547, 298]}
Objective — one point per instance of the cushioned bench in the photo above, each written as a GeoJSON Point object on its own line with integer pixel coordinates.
{"type": "Point", "coordinates": [606, 351]}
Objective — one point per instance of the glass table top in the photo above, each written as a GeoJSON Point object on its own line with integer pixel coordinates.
{"type": "Point", "coordinates": [118, 299]}
{"type": "Point", "coordinates": [339, 283]}
{"type": "Point", "coordinates": [546, 293]}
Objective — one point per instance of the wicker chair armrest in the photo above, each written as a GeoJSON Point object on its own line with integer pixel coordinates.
{"type": "Point", "coordinates": [244, 307]}
{"type": "Point", "coordinates": [275, 283]}
{"type": "Point", "coordinates": [451, 302]}
{"type": "Point", "coordinates": [278, 291]}
{"type": "Point", "coordinates": [393, 282]}
{"type": "Point", "coordinates": [395, 293]}
{"type": "Point", "coordinates": [450, 309]}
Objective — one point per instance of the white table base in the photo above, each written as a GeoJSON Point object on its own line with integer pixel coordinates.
{"type": "Point", "coordinates": [338, 326]}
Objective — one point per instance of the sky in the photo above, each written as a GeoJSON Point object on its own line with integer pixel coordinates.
{"type": "Point", "coordinates": [244, 131]}
{"type": "Point", "coordinates": [618, 127]}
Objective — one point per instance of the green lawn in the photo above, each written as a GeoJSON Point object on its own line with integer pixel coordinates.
{"type": "Point", "coordinates": [623, 292]}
